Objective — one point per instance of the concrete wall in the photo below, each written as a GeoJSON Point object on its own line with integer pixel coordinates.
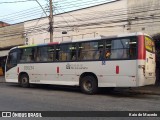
{"type": "Point", "coordinates": [12, 35]}
{"type": "Point", "coordinates": [81, 24]}
{"type": "Point", "coordinates": [144, 16]}
{"type": "Point", "coordinates": [107, 19]}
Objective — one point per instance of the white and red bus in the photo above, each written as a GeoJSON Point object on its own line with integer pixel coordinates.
{"type": "Point", "coordinates": [115, 61]}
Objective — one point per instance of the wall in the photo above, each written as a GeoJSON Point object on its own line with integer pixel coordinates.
{"type": "Point", "coordinates": [12, 35]}
{"type": "Point", "coordinates": [81, 24]}
{"type": "Point", "coordinates": [144, 16]}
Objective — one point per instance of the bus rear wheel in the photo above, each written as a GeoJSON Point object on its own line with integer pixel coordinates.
{"type": "Point", "coordinates": [89, 85]}
{"type": "Point", "coordinates": [24, 81]}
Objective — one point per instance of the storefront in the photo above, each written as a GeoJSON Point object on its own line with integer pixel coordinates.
{"type": "Point", "coordinates": [3, 56]}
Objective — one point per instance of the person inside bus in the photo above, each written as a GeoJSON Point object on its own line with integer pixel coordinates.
{"type": "Point", "coordinates": [108, 54]}
{"type": "Point", "coordinates": [74, 57]}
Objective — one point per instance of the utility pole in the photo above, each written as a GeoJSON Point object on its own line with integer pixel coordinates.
{"type": "Point", "coordinates": [51, 21]}
{"type": "Point", "coordinates": [50, 18]}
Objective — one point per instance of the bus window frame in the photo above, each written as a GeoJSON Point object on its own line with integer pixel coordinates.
{"type": "Point", "coordinates": [14, 65]}
{"type": "Point", "coordinates": [37, 47]}
{"type": "Point", "coordinates": [103, 40]}
{"type": "Point", "coordinates": [69, 52]}
{"type": "Point", "coordinates": [78, 43]}
{"type": "Point", "coordinates": [119, 38]}
{"type": "Point", "coordinates": [19, 56]}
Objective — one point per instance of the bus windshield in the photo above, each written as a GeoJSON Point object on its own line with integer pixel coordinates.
{"type": "Point", "coordinates": [149, 44]}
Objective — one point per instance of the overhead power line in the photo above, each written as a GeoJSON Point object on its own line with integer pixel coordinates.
{"type": "Point", "coordinates": [101, 18]}
{"type": "Point", "coordinates": [69, 5]}
{"type": "Point", "coordinates": [103, 21]}
{"type": "Point", "coordinates": [16, 1]}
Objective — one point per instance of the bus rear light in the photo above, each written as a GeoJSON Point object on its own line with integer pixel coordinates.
{"type": "Point", "coordinates": [57, 69]}
{"type": "Point", "coordinates": [117, 69]}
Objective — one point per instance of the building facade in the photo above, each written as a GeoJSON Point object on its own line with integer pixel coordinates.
{"type": "Point", "coordinates": [143, 15]}
{"type": "Point", "coordinates": [121, 16]}
{"type": "Point", "coordinates": [101, 20]}
{"type": "Point", "coordinates": [3, 24]}
{"type": "Point", "coordinates": [116, 17]}
{"type": "Point", "coordinates": [10, 36]}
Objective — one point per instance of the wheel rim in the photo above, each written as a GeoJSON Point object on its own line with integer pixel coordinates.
{"type": "Point", "coordinates": [87, 86]}
{"type": "Point", "coordinates": [24, 80]}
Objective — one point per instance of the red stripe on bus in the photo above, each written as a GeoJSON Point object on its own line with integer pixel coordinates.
{"type": "Point", "coordinates": [57, 69]}
{"type": "Point", "coordinates": [141, 48]}
{"type": "Point", "coordinates": [117, 69]}
{"type": "Point", "coordinates": [53, 43]}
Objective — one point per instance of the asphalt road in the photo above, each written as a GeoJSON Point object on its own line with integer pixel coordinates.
{"type": "Point", "coordinates": [53, 98]}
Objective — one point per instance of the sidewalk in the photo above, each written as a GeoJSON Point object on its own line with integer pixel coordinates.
{"type": "Point", "coordinates": [151, 89]}
{"type": "Point", "coordinates": [2, 79]}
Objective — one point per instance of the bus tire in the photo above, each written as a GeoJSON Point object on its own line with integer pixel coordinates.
{"type": "Point", "coordinates": [24, 81]}
{"type": "Point", "coordinates": [89, 85]}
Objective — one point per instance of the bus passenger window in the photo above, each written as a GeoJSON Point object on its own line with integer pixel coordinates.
{"type": "Point", "coordinates": [90, 50]}
{"type": "Point", "coordinates": [122, 48]}
{"type": "Point", "coordinates": [27, 55]}
{"type": "Point", "coordinates": [45, 54]}
{"type": "Point", "coordinates": [66, 52]}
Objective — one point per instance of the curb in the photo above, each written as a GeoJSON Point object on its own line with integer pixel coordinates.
{"type": "Point", "coordinates": [145, 92]}
{"type": "Point", "coordinates": [149, 92]}
{"type": "Point", "coordinates": [2, 79]}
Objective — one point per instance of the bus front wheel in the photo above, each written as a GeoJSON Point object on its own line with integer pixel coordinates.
{"type": "Point", "coordinates": [24, 80]}
{"type": "Point", "coordinates": [89, 85]}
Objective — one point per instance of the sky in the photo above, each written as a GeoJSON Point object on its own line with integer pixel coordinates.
{"type": "Point", "coordinates": [15, 11]}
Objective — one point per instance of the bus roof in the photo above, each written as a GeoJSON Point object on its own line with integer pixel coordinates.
{"type": "Point", "coordinates": [33, 45]}
{"type": "Point", "coordinates": [81, 40]}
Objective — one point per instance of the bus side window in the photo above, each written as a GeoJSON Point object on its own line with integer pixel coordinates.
{"type": "Point", "coordinates": [57, 52]}
{"type": "Point", "coordinates": [45, 54]}
{"type": "Point", "coordinates": [132, 48]}
{"type": "Point", "coordinates": [37, 59]}
{"type": "Point", "coordinates": [21, 56]}
{"type": "Point", "coordinates": [122, 48]}
{"type": "Point", "coordinates": [90, 50]}
{"type": "Point", "coordinates": [66, 52]}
